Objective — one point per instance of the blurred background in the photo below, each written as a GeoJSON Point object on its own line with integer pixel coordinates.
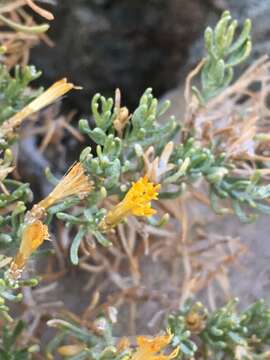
{"type": "Point", "coordinates": [134, 44]}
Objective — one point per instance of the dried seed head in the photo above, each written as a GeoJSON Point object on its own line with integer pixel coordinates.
{"type": "Point", "coordinates": [75, 182]}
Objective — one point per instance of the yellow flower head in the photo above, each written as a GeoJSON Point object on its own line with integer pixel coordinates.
{"type": "Point", "coordinates": [33, 236]}
{"type": "Point", "coordinates": [151, 348]}
{"type": "Point", "coordinates": [75, 182]}
{"type": "Point", "coordinates": [137, 202]}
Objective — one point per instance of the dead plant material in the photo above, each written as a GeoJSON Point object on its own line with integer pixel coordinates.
{"type": "Point", "coordinates": [19, 32]}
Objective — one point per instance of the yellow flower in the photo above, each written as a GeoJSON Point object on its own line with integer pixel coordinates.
{"type": "Point", "coordinates": [136, 202]}
{"type": "Point", "coordinates": [33, 236]}
{"type": "Point", "coordinates": [151, 348]}
{"type": "Point", "coordinates": [54, 92]}
{"type": "Point", "coordinates": [75, 182]}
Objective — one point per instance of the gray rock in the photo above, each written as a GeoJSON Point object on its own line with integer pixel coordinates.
{"type": "Point", "coordinates": [131, 44]}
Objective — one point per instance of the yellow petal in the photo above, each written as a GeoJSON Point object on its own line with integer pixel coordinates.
{"type": "Point", "coordinates": [33, 236]}
{"type": "Point", "coordinates": [155, 344]}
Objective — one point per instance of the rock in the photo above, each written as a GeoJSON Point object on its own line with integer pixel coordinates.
{"type": "Point", "coordinates": [104, 44]}
{"type": "Point", "coordinates": [250, 281]}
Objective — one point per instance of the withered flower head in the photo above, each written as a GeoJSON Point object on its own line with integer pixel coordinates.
{"type": "Point", "coordinates": [75, 182]}
{"type": "Point", "coordinates": [54, 92]}
{"type": "Point", "coordinates": [157, 167]}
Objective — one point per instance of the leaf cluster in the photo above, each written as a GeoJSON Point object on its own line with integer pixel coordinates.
{"type": "Point", "coordinates": [224, 52]}
{"type": "Point", "coordinates": [222, 334]}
